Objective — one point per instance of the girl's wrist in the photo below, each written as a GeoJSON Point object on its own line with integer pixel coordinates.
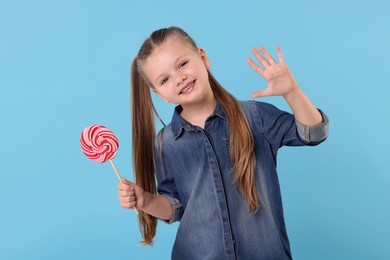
{"type": "Point", "coordinates": [293, 94]}
{"type": "Point", "coordinates": [146, 200]}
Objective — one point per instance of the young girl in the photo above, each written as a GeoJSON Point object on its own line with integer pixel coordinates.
{"type": "Point", "coordinates": [215, 163]}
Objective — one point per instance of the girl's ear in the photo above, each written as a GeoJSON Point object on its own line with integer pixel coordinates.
{"type": "Point", "coordinates": [158, 94]}
{"type": "Point", "coordinates": [204, 57]}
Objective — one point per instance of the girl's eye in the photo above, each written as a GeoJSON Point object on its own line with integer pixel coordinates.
{"type": "Point", "coordinates": [183, 64]}
{"type": "Point", "coordinates": [164, 80]}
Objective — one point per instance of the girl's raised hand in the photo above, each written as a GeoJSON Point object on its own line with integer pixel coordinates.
{"type": "Point", "coordinates": [279, 77]}
{"type": "Point", "coordinates": [130, 195]}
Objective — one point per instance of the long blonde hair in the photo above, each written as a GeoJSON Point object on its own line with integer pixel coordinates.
{"type": "Point", "coordinates": [144, 132]}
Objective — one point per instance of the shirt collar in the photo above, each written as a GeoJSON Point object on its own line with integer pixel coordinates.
{"type": "Point", "coordinates": [179, 124]}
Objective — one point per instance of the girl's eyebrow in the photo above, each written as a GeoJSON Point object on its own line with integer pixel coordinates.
{"type": "Point", "coordinates": [176, 60]}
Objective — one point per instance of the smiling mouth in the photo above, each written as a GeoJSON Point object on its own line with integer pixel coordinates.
{"type": "Point", "coordinates": [187, 88]}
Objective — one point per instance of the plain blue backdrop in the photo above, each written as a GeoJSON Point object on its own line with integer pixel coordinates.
{"type": "Point", "coordinates": [65, 65]}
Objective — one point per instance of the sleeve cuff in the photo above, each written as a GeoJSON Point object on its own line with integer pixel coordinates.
{"type": "Point", "coordinates": [315, 133]}
{"type": "Point", "coordinates": [177, 208]}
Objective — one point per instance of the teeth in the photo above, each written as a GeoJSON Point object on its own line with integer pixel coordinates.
{"type": "Point", "coordinates": [187, 88]}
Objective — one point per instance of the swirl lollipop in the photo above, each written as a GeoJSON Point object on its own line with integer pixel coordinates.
{"type": "Point", "coordinates": [100, 144]}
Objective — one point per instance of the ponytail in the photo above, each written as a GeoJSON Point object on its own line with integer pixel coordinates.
{"type": "Point", "coordinates": [241, 144]}
{"type": "Point", "coordinates": [143, 135]}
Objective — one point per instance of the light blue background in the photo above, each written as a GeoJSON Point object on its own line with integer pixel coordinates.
{"type": "Point", "coordinates": [65, 65]}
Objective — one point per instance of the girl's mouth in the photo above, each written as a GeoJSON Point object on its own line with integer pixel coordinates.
{"type": "Point", "coordinates": [187, 88]}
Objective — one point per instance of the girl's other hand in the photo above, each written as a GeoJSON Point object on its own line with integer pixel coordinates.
{"type": "Point", "coordinates": [130, 195]}
{"type": "Point", "coordinates": [279, 77]}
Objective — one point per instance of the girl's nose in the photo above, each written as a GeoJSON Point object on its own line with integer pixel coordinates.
{"type": "Point", "coordinates": [181, 78]}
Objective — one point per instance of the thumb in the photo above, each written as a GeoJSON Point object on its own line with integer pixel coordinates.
{"type": "Point", "coordinates": [261, 93]}
{"type": "Point", "coordinates": [123, 180]}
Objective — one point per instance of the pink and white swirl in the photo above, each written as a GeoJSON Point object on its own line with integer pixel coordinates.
{"type": "Point", "coordinates": [99, 143]}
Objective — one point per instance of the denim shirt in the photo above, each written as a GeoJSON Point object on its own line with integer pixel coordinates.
{"type": "Point", "coordinates": [196, 176]}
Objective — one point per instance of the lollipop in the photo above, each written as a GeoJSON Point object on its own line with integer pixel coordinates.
{"type": "Point", "coordinates": [100, 144]}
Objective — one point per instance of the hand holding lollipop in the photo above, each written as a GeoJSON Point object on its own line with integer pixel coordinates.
{"type": "Point", "coordinates": [100, 144]}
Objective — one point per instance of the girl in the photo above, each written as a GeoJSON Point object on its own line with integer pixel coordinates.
{"type": "Point", "coordinates": [215, 163]}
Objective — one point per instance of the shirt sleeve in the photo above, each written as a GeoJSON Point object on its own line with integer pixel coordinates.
{"type": "Point", "coordinates": [166, 184]}
{"type": "Point", "coordinates": [281, 129]}
{"type": "Point", "coordinates": [314, 134]}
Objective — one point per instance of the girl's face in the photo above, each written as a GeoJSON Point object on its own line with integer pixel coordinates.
{"type": "Point", "coordinates": [178, 73]}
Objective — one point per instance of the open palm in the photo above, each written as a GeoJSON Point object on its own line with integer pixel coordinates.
{"type": "Point", "coordinates": [279, 77]}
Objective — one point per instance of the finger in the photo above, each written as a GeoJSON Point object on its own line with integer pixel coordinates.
{"type": "Point", "coordinates": [123, 180]}
{"type": "Point", "coordinates": [267, 55]}
{"type": "Point", "coordinates": [124, 186]}
{"type": "Point", "coordinates": [125, 193]}
{"type": "Point", "coordinates": [123, 205]}
{"type": "Point", "coordinates": [131, 204]}
{"type": "Point", "coordinates": [124, 199]}
{"type": "Point", "coordinates": [128, 183]}
{"type": "Point", "coordinates": [261, 93]}
{"type": "Point", "coordinates": [127, 199]}
{"type": "Point", "coordinates": [128, 205]}
{"type": "Point", "coordinates": [280, 54]}
{"type": "Point", "coordinates": [260, 58]}
{"type": "Point", "coordinates": [254, 66]}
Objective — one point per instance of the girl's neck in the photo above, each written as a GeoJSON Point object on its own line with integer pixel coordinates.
{"type": "Point", "coordinates": [197, 114]}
